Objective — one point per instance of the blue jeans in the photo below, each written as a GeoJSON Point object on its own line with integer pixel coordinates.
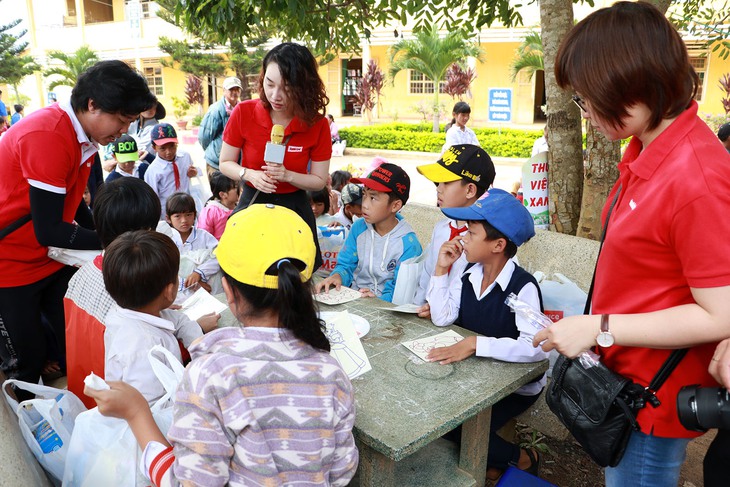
{"type": "Point", "coordinates": [649, 461]}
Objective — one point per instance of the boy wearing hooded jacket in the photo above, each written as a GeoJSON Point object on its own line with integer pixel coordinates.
{"type": "Point", "coordinates": [380, 240]}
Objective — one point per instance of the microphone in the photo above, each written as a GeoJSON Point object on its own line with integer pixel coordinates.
{"type": "Point", "coordinates": [275, 150]}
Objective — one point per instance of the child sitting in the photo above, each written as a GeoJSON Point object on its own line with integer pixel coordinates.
{"type": "Point", "coordinates": [380, 240]}
{"type": "Point", "coordinates": [263, 403]}
{"type": "Point", "coordinates": [124, 152]}
{"type": "Point", "coordinates": [462, 175]}
{"type": "Point", "coordinates": [351, 205]}
{"type": "Point", "coordinates": [140, 274]}
{"type": "Point", "coordinates": [498, 224]}
{"type": "Point", "coordinates": [320, 202]}
{"type": "Point", "coordinates": [171, 170]}
{"type": "Point", "coordinates": [214, 215]}
{"type": "Point", "coordinates": [123, 205]}
{"type": "Point", "coordinates": [198, 265]}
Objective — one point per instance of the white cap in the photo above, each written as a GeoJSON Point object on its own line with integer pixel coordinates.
{"type": "Point", "coordinates": [231, 82]}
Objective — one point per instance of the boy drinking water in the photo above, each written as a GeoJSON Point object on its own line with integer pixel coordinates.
{"type": "Point", "coordinates": [462, 175]}
{"type": "Point", "coordinates": [171, 170]}
{"type": "Point", "coordinates": [380, 240]}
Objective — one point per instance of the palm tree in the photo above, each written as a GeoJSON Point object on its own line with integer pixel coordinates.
{"type": "Point", "coordinates": [529, 56]}
{"type": "Point", "coordinates": [431, 55]}
{"type": "Point", "coordinates": [73, 65]}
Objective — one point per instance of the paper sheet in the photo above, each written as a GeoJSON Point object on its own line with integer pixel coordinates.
{"type": "Point", "coordinates": [346, 346]}
{"type": "Point", "coordinates": [344, 295]}
{"type": "Point", "coordinates": [403, 308]}
{"type": "Point", "coordinates": [421, 346]}
{"type": "Point", "coordinates": [201, 303]}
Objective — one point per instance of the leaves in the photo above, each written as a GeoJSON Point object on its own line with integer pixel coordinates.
{"type": "Point", "coordinates": [72, 65]}
{"type": "Point", "coordinates": [459, 80]}
{"type": "Point", "coordinates": [14, 66]}
{"type": "Point", "coordinates": [529, 56]}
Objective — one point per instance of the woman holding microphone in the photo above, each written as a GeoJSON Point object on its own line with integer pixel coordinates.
{"type": "Point", "coordinates": [292, 96]}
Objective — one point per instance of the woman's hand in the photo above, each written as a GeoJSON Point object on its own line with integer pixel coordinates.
{"type": "Point", "coordinates": [121, 401]}
{"type": "Point", "coordinates": [261, 181]}
{"type": "Point", "coordinates": [570, 336]}
{"type": "Point", "coordinates": [720, 364]}
{"type": "Point", "coordinates": [278, 172]}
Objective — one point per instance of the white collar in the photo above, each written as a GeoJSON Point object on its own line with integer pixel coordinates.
{"type": "Point", "coordinates": [151, 320]}
{"type": "Point", "coordinates": [80, 134]}
{"type": "Point", "coordinates": [476, 273]}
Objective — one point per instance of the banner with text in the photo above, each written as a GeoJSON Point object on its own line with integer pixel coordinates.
{"type": "Point", "coordinates": [535, 189]}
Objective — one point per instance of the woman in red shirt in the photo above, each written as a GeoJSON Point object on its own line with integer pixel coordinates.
{"type": "Point", "coordinates": [291, 94]}
{"type": "Point", "coordinates": [663, 275]}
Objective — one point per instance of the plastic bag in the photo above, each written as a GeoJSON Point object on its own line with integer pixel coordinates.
{"type": "Point", "coordinates": [104, 451]}
{"type": "Point", "coordinates": [406, 283]}
{"type": "Point", "coordinates": [331, 240]}
{"type": "Point", "coordinates": [338, 148]}
{"type": "Point", "coordinates": [561, 297]}
{"type": "Point", "coordinates": [46, 422]}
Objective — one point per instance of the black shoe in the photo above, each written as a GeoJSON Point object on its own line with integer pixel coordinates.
{"type": "Point", "coordinates": [534, 467]}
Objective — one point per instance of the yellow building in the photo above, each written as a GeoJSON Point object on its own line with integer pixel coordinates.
{"type": "Point", "coordinates": [130, 29]}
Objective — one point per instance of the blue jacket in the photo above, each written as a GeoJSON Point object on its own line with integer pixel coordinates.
{"type": "Point", "coordinates": [368, 260]}
{"type": "Point", "coordinates": [210, 134]}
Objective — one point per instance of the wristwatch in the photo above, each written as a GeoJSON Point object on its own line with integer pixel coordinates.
{"type": "Point", "coordinates": [242, 173]}
{"type": "Point", "coordinates": [605, 338]}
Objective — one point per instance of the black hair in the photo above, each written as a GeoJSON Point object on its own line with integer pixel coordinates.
{"type": "Point", "coordinates": [479, 190]}
{"type": "Point", "coordinates": [219, 182]}
{"type": "Point", "coordinates": [510, 250]}
{"type": "Point", "coordinates": [123, 205]}
{"type": "Point", "coordinates": [459, 107]}
{"type": "Point", "coordinates": [113, 87]}
{"type": "Point", "coordinates": [330, 117]}
{"type": "Point", "coordinates": [160, 112]}
{"type": "Point", "coordinates": [340, 178]}
{"type": "Point", "coordinates": [292, 300]}
{"type": "Point", "coordinates": [321, 196]}
{"type": "Point", "coordinates": [138, 266]}
{"type": "Point", "coordinates": [18, 107]}
{"type": "Point", "coordinates": [180, 203]}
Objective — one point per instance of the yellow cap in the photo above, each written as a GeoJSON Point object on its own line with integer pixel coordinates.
{"type": "Point", "coordinates": [260, 236]}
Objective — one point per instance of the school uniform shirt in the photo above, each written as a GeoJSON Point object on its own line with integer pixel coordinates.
{"type": "Point", "coordinates": [369, 260]}
{"type": "Point", "coordinates": [235, 423]}
{"type": "Point", "coordinates": [198, 239]}
{"type": "Point", "coordinates": [667, 235]}
{"type": "Point", "coordinates": [213, 218]}
{"type": "Point", "coordinates": [49, 151]}
{"type": "Point", "coordinates": [128, 338]}
{"type": "Point", "coordinates": [444, 296]}
{"type": "Point", "coordinates": [161, 177]}
{"type": "Point", "coordinates": [140, 168]}
{"type": "Point", "coordinates": [441, 233]}
{"type": "Point", "coordinates": [456, 136]}
{"type": "Point", "coordinates": [250, 129]}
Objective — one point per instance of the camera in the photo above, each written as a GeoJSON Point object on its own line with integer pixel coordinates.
{"type": "Point", "coordinates": [702, 408]}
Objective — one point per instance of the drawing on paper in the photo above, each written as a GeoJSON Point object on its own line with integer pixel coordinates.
{"type": "Point", "coordinates": [346, 346]}
{"type": "Point", "coordinates": [344, 295]}
{"type": "Point", "coordinates": [421, 346]}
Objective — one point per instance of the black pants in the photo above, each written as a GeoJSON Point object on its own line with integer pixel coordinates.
{"type": "Point", "coordinates": [501, 453]}
{"type": "Point", "coordinates": [23, 310]}
{"type": "Point", "coordinates": [716, 467]}
{"type": "Point", "coordinates": [296, 201]}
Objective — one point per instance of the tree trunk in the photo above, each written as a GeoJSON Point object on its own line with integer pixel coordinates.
{"type": "Point", "coordinates": [601, 172]}
{"type": "Point", "coordinates": [565, 169]}
{"type": "Point", "coordinates": [436, 110]}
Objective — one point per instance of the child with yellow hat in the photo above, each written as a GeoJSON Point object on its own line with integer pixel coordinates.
{"type": "Point", "coordinates": [263, 403]}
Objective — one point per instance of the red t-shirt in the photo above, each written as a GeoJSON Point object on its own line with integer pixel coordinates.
{"type": "Point", "coordinates": [668, 233]}
{"type": "Point", "coordinates": [250, 129]}
{"type": "Point", "coordinates": [43, 151]}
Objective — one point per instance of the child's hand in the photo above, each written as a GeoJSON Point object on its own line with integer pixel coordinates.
{"type": "Point", "coordinates": [424, 311]}
{"type": "Point", "coordinates": [192, 171]}
{"type": "Point", "coordinates": [455, 353]}
{"type": "Point", "coordinates": [205, 286]}
{"type": "Point", "coordinates": [448, 254]}
{"type": "Point", "coordinates": [334, 224]}
{"type": "Point", "coordinates": [121, 401]}
{"type": "Point", "coordinates": [366, 293]}
{"type": "Point", "coordinates": [209, 322]}
{"type": "Point", "coordinates": [141, 154]}
{"type": "Point", "coordinates": [192, 280]}
{"type": "Point", "coordinates": [333, 280]}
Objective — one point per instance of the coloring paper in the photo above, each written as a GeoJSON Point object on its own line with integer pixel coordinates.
{"type": "Point", "coordinates": [421, 346]}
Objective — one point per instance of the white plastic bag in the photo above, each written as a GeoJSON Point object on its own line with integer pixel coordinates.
{"type": "Point", "coordinates": [338, 148]}
{"type": "Point", "coordinates": [406, 284]}
{"type": "Point", "coordinates": [46, 422]}
{"type": "Point", "coordinates": [104, 451]}
{"type": "Point", "coordinates": [331, 240]}
{"type": "Point", "coordinates": [561, 297]}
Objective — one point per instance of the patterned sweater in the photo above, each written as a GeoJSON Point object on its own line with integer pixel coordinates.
{"type": "Point", "coordinates": [257, 406]}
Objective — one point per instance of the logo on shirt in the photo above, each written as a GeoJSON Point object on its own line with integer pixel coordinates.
{"type": "Point", "coordinates": [632, 204]}
{"type": "Point", "coordinates": [391, 266]}
{"type": "Point", "coordinates": [295, 148]}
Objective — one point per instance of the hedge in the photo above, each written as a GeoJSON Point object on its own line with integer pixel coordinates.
{"type": "Point", "coordinates": [419, 138]}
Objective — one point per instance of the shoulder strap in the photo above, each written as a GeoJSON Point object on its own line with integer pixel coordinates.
{"type": "Point", "coordinates": [587, 308]}
{"type": "Point", "coordinates": [14, 226]}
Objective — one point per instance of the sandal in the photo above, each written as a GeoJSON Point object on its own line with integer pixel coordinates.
{"type": "Point", "coordinates": [534, 462]}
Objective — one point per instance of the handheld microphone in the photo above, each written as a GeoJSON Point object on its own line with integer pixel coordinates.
{"type": "Point", "coordinates": [275, 150]}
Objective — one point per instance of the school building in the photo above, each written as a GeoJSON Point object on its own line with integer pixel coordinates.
{"type": "Point", "coordinates": [130, 29]}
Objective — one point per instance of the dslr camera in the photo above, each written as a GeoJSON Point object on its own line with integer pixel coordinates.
{"type": "Point", "coordinates": [702, 408]}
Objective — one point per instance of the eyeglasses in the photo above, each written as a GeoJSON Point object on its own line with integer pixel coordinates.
{"type": "Point", "coordinates": [580, 103]}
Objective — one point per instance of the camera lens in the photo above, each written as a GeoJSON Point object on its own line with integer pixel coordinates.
{"type": "Point", "coordinates": [702, 408]}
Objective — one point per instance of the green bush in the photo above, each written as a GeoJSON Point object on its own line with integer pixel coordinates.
{"type": "Point", "coordinates": [196, 120]}
{"type": "Point", "coordinates": [419, 138]}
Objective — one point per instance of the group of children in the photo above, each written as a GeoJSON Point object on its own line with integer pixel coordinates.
{"type": "Point", "coordinates": [468, 273]}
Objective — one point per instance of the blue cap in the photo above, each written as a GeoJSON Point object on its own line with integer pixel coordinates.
{"type": "Point", "coordinates": [501, 210]}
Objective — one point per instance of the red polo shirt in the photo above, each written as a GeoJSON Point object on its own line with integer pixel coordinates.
{"type": "Point", "coordinates": [44, 150]}
{"type": "Point", "coordinates": [669, 231]}
{"type": "Point", "coordinates": [250, 128]}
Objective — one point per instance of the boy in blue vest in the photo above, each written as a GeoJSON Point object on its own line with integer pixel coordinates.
{"type": "Point", "coordinates": [497, 224]}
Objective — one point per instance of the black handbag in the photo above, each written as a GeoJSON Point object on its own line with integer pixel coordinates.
{"type": "Point", "coordinates": [599, 406]}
